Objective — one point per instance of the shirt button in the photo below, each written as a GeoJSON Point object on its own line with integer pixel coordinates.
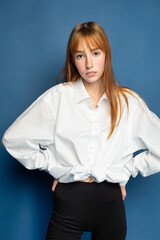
{"type": "Point", "coordinates": [96, 128]}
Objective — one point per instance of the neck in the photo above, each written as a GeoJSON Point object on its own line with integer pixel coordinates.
{"type": "Point", "coordinates": [95, 89]}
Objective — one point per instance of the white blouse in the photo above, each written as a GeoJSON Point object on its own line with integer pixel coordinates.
{"type": "Point", "coordinates": [62, 134]}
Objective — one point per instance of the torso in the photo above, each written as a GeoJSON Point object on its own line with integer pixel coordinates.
{"type": "Point", "coordinates": [95, 105]}
{"type": "Point", "coordinates": [95, 102]}
{"type": "Point", "coordinates": [89, 179]}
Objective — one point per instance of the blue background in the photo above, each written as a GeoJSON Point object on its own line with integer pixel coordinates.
{"type": "Point", "coordinates": [34, 37]}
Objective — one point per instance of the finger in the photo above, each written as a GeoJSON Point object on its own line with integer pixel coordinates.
{"type": "Point", "coordinates": [124, 195]}
{"type": "Point", "coordinates": [54, 184]}
{"type": "Point", "coordinates": [53, 187]}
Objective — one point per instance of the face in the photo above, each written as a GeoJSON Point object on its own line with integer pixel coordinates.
{"type": "Point", "coordinates": [89, 63]}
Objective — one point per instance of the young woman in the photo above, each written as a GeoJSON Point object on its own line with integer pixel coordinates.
{"type": "Point", "coordinates": [84, 133]}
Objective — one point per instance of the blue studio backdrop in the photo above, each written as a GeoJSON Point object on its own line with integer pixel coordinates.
{"type": "Point", "coordinates": [34, 36]}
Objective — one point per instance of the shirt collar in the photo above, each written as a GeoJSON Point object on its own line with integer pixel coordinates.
{"type": "Point", "coordinates": [81, 92]}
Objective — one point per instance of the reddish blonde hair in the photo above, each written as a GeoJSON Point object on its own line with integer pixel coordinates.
{"type": "Point", "coordinates": [93, 34]}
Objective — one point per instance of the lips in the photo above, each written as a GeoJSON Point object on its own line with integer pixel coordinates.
{"type": "Point", "coordinates": [91, 74]}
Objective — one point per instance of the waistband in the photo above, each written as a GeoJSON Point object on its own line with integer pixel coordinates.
{"type": "Point", "coordinates": [88, 183]}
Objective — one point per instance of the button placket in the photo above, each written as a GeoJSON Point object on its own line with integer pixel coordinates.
{"type": "Point", "coordinates": [92, 141]}
{"type": "Point", "coordinates": [95, 124]}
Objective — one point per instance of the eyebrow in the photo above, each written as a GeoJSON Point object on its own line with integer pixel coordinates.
{"type": "Point", "coordinates": [93, 49]}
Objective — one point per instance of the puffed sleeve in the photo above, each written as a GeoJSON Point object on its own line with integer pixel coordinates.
{"type": "Point", "coordinates": [31, 136]}
{"type": "Point", "coordinates": [145, 134]}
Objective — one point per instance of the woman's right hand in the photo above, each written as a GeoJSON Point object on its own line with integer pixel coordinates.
{"type": "Point", "coordinates": [55, 182]}
{"type": "Point", "coordinates": [123, 191]}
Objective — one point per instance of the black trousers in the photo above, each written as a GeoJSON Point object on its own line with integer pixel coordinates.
{"type": "Point", "coordinates": [87, 206]}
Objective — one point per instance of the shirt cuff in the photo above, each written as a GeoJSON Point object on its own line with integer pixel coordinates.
{"type": "Point", "coordinates": [129, 168]}
{"type": "Point", "coordinates": [123, 183]}
{"type": "Point", "coordinates": [128, 173]}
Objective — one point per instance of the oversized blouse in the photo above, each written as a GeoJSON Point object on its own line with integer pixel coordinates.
{"type": "Point", "coordinates": [62, 134]}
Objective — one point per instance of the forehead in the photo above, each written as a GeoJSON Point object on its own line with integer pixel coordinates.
{"type": "Point", "coordinates": [83, 43]}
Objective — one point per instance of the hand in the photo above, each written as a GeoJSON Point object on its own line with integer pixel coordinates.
{"type": "Point", "coordinates": [123, 191]}
{"type": "Point", "coordinates": [54, 184]}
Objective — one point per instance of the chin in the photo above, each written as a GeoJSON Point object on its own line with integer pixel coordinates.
{"type": "Point", "coordinates": [91, 79]}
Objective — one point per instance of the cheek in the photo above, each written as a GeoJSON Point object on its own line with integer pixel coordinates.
{"type": "Point", "coordinates": [101, 62]}
{"type": "Point", "coordinates": [101, 65]}
{"type": "Point", "coordinates": [79, 66]}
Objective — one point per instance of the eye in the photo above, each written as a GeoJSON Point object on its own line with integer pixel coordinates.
{"type": "Point", "coordinates": [96, 53]}
{"type": "Point", "coordinates": [79, 56]}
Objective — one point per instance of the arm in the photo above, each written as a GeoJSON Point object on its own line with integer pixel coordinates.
{"type": "Point", "coordinates": [145, 133]}
{"type": "Point", "coordinates": [30, 137]}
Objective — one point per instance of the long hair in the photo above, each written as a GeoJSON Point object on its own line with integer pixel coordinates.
{"type": "Point", "coordinates": [93, 34]}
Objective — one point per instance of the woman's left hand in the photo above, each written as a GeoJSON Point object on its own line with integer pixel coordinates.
{"type": "Point", "coordinates": [55, 182]}
{"type": "Point", "coordinates": [123, 191]}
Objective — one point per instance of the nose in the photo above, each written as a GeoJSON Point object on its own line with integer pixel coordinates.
{"type": "Point", "coordinates": [89, 62]}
